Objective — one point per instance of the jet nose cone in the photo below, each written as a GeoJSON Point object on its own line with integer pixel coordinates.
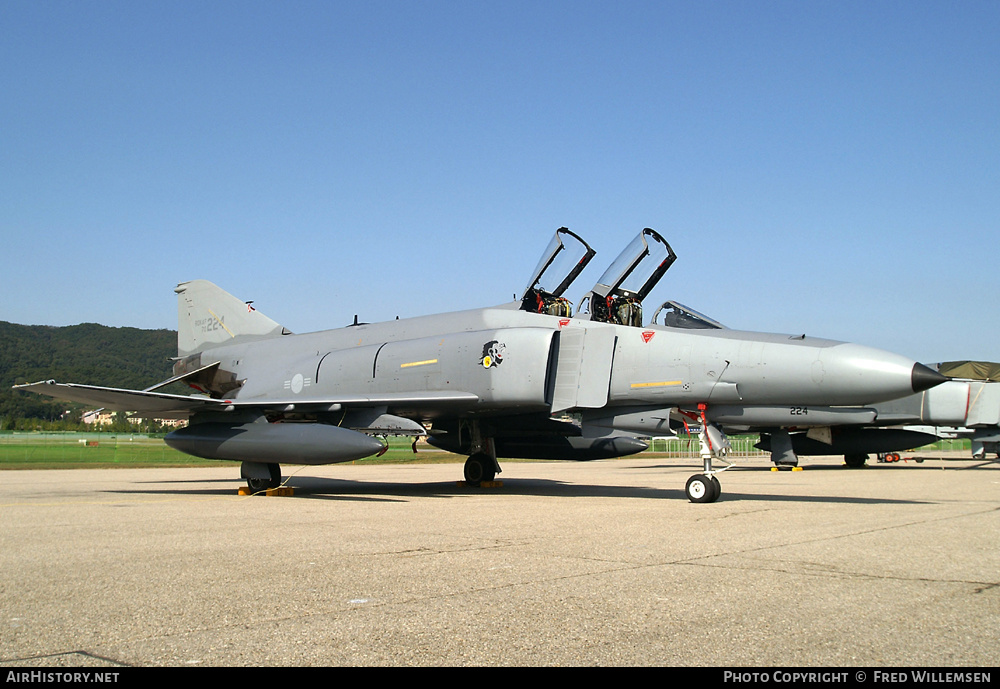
{"type": "Point", "coordinates": [924, 378]}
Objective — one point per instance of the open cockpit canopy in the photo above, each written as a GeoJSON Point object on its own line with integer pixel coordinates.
{"type": "Point", "coordinates": [564, 259]}
{"type": "Point", "coordinates": [617, 296]}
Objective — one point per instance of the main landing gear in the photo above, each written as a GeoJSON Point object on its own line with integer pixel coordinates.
{"type": "Point", "coordinates": [482, 465]}
{"type": "Point", "coordinates": [480, 468]}
{"type": "Point", "coordinates": [261, 476]}
{"type": "Point", "coordinates": [855, 461]}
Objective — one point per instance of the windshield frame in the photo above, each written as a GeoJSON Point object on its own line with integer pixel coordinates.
{"type": "Point", "coordinates": [690, 315]}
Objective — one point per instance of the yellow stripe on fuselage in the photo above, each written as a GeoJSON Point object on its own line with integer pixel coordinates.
{"type": "Point", "coordinates": [419, 363]}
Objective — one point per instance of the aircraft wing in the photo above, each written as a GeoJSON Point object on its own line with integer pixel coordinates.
{"type": "Point", "coordinates": [151, 404]}
{"type": "Point", "coordinates": [159, 405]}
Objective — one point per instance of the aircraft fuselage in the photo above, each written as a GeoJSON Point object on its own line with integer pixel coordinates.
{"type": "Point", "coordinates": [536, 362]}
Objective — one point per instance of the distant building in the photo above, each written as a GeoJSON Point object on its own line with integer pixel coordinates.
{"type": "Point", "coordinates": [102, 417]}
{"type": "Point", "coordinates": [98, 417]}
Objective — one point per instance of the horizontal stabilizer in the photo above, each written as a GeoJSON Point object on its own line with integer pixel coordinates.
{"type": "Point", "coordinates": [185, 376]}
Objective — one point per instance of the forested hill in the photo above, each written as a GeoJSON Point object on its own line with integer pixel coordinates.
{"type": "Point", "coordinates": [87, 353]}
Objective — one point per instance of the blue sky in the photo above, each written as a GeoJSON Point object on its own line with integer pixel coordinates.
{"type": "Point", "coordinates": [831, 168]}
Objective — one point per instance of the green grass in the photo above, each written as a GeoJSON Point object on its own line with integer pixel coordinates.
{"type": "Point", "coordinates": [949, 445]}
{"type": "Point", "coordinates": [88, 450]}
{"type": "Point", "coordinates": [68, 450]}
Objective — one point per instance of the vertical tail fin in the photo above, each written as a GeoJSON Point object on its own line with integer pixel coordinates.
{"type": "Point", "coordinates": [208, 316]}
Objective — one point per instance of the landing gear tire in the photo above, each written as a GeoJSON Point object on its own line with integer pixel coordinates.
{"type": "Point", "coordinates": [855, 461]}
{"type": "Point", "coordinates": [479, 469]}
{"type": "Point", "coordinates": [258, 485]}
{"type": "Point", "coordinates": [702, 488]}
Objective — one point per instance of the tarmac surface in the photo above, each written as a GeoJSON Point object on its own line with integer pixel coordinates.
{"type": "Point", "coordinates": [604, 563]}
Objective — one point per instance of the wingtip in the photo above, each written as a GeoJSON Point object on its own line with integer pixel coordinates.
{"type": "Point", "coordinates": [50, 381]}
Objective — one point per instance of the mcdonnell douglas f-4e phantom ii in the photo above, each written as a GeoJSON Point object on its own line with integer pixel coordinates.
{"type": "Point", "coordinates": [501, 381]}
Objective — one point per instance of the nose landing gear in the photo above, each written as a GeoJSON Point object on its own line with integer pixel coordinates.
{"type": "Point", "coordinates": [705, 487]}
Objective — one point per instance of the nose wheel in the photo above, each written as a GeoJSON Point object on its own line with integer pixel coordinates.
{"type": "Point", "coordinates": [703, 488]}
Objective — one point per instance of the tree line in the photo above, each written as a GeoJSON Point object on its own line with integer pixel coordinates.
{"type": "Point", "coordinates": [86, 353]}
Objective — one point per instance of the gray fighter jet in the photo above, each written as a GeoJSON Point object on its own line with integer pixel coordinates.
{"type": "Point", "coordinates": [966, 406]}
{"type": "Point", "coordinates": [528, 379]}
